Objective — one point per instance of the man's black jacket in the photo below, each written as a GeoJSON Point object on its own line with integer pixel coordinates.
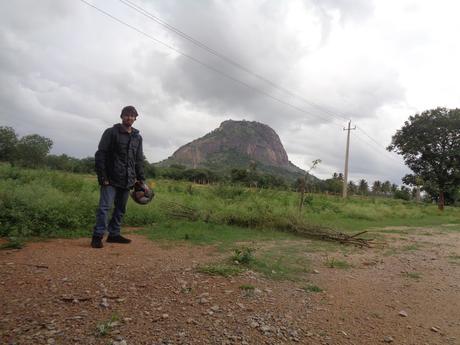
{"type": "Point", "coordinates": [119, 158]}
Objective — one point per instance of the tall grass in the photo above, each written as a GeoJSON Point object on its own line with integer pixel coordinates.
{"type": "Point", "coordinates": [52, 203]}
{"type": "Point", "coordinates": [43, 203]}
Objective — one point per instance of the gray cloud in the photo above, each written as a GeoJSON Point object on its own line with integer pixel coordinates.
{"type": "Point", "coordinates": [276, 51]}
{"type": "Point", "coordinates": [66, 71]}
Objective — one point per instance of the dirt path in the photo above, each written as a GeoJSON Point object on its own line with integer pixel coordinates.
{"type": "Point", "coordinates": [63, 292]}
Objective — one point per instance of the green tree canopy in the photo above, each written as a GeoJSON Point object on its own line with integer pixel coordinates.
{"type": "Point", "coordinates": [430, 145]}
{"type": "Point", "coordinates": [33, 149]}
{"type": "Point", "coordinates": [335, 183]}
{"type": "Point", "coordinates": [8, 141]}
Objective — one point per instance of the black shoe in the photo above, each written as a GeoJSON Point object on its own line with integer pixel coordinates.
{"type": "Point", "coordinates": [96, 242]}
{"type": "Point", "coordinates": [118, 239]}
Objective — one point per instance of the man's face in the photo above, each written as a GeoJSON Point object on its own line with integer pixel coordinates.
{"type": "Point", "coordinates": [128, 119]}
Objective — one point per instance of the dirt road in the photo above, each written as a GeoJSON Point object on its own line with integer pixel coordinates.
{"type": "Point", "coordinates": [64, 292]}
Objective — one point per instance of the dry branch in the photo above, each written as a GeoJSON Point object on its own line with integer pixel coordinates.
{"type": "Point", "coordinates": [317, 232]}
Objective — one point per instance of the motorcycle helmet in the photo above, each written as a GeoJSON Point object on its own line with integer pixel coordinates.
{"type": "Point", "coordinates": [142, 194]}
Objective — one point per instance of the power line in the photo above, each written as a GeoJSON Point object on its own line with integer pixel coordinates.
{"type": "Point", "coordinates": [236, 64]}
{"type": "Point", "coordinates": [232, 62]}
{"type": "Point", "coordinates": [139, 9]}
{"type": "Point", "coordinates": [379, 145]}
{"type": "Point", "coordinates": [201, 63]}
{"type": "Point", "coordinates": [377, 148]}
{"type": "Point", "coordinates": [367, 135]}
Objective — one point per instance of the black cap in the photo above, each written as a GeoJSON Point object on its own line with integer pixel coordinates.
{"type": "Point", "coordinates": [129, 109]}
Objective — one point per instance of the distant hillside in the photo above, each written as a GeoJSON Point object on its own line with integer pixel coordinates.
{"type": "Point", "coordinates": [237, 144]}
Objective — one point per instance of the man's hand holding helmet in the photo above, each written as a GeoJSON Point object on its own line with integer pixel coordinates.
{"type": "Point", "coordinates": [141, 193]}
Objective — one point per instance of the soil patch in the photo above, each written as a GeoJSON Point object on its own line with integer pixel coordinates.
{"type": "Point", "coordinates": [64, 292]}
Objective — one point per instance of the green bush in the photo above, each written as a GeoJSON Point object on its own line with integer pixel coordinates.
{"type": "Point", "coordinates": [38, 208]}
{"type": "Point", "coordinates": [243, 256]}
{"type": "Point", "coordinates": [228, 191]}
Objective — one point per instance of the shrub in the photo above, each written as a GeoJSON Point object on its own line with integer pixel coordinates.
{"type": "Point", "coordinates": [228, 191]}
{"type": "Point", "coordinates": [243, 256]}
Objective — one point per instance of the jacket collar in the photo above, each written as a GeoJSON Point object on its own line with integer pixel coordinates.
{"type": "Point", "coordinates": [122, 129]}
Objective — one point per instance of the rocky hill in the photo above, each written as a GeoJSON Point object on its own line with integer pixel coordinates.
{"type": "Point", "coordinates": [237, 144]}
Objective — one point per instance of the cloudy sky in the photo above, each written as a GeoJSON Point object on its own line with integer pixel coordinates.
{"type": "Point", "coordinates": [303, 67]}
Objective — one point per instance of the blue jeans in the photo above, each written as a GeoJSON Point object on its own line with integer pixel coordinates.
{"type": "Point", "coordinates": [110, 196]}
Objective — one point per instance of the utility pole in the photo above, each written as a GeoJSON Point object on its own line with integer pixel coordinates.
{"type": "Point", "coordinates": [345, 174]}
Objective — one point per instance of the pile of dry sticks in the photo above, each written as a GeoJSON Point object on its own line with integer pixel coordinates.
{"type": "Point", "coordinates": [179, 211]}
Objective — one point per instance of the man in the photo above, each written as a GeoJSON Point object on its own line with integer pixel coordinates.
{"type": "Point", "coordinates": [119, 165]}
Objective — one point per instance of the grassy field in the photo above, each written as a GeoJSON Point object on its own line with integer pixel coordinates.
{"type": "Point", "coordinates": [50, 203]}
{"type": "Point", "coordinates": [253, 224]}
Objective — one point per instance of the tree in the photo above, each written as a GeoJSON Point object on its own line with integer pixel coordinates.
{"type": "Point", "coordinates": [352, 188]}
{"type": "Point", "coordinates": [386, 187]}
{"type": "Point", "coordinates": [86, 165]}
{"type": "Point", "coordinates": [304, 180]}
{"type": "Point", "coordinates": [239, 175]}
{"type": "Point", "coordinates": [334, 184]}
{"type": "Point", "coordinates": [363, 187]}
{"type": "Point", "coordinates": [377, 187]}
{"type": "Point", "coordinates": [337, 176]}
{"type": "Point", "coordinates": [72, 164]}
{"type": "Point", "coordinates": [404, 193]}
{"type": "Point", "coordinates": [430, 145]}
{"type": "Point", "coordinates": [253, 176]}
{"type": "Point", "coordinates": [8, 141]}
{"type": "Point", "coordinates": [61, 162]}
{"type": "Point", "coordinates": [149, 169]}
{"type": "Point", "coordinates": [32, 150]}
{"type": "Point", "coordinates": [199, 175]}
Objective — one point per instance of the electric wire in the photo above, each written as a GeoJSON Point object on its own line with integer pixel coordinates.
{"type": "Point", "coordinates": [232, 62]}
{"type": "Point", "coordinates": [190, 57]}
{"type": "Point", "coordinates": [139, 9]}
{"type": "Point", "coordinates": [379, 145]}
{"type": "Point", "coordinates": [367, 135]}
{"type": "Point", "coordinates": [377, 148]}
{"type": "Point", "coordinates": [149, 15]}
